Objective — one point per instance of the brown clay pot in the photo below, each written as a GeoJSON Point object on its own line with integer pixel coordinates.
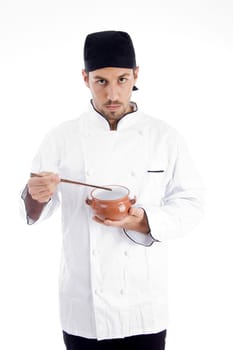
{"type": "Point", "coordinates": [113, 205]}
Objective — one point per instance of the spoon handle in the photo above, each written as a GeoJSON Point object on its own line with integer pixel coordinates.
{"type": "Point", "coordinates": [76, 182]}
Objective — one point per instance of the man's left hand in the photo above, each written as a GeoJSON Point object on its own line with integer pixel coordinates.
{"type": "Point", "coordinates": [136, 220]}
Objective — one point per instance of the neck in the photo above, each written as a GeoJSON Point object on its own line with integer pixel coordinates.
{"type": "Point", "coordinates": [112, 121]}
{"type": "Point", "coordinates": [113, 124]}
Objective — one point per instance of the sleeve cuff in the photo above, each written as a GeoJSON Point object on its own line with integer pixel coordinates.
{"type": "Point", "coordinates": [46, 211]}
{"type": "Point", "coordinates": [140, 238]}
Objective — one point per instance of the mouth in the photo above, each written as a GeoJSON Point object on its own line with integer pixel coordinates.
{"type": "Point", "coordinates": [113, 107]}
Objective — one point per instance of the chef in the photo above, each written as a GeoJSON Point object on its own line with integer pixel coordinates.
{"type": "Point", "coordinates": [113, 276]}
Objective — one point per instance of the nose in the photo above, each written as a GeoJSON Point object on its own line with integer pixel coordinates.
{"type": "Point", "coordinates": [112, 92]}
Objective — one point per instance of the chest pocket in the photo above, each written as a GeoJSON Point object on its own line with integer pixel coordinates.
{"type": "Point", "coordinates": [153, 184]}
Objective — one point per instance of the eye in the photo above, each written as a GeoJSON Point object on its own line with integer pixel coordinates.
{"type": "Point", "coordinates": [122, 80]}
{"type": "Point", "coordinates": [101, 81]}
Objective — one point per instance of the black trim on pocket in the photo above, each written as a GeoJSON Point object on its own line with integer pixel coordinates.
{"type": "Point", "coordinates": [155, 171]}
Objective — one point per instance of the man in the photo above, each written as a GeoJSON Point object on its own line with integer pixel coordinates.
{"type": "Point", "coordinates": [113, 280]}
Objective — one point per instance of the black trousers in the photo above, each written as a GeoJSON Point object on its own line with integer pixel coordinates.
{"type": "Point", "coordinates": [137, 342]}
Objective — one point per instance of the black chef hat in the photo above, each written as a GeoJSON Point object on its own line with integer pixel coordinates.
{"type": "Point", "coordinates": [109, 49]}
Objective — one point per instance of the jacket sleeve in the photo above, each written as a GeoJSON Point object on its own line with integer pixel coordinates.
{"type": "Point", "coordinates": [47, 159]}
{"type": "Point", "coordinates": [47, 211]}
{"type": "Point", "coordinates": [181, 207]}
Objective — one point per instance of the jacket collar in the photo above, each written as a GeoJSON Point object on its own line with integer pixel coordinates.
{"type": "Point", "coordinates": [101, 122]}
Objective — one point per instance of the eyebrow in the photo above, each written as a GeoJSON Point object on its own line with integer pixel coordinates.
{"type": "Point", "coordinates": [120, 76]}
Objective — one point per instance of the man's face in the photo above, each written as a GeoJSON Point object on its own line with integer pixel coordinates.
{"type": "Point", "coordinates": [111, 89]}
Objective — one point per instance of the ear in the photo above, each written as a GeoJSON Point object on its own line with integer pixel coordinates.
{"type": "Point", "coordinates": [85, 77]}
{"type": "Point", "coordinates": [135, 73]}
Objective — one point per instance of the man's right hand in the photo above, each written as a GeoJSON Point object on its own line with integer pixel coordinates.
{"type": "Point", "coordinates": [43, 186]}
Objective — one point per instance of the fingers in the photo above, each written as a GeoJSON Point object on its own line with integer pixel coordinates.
{"type": "Point", "coordinates": [43, 186]}
{"type": "Point", "coordinates": [138, 212]}
{"type": "Point", "coordinates": [44, 178]}
{"type": "Point", "coordinates": [95, 218]}
{"type": "Point", "coordinates": [136, 220]}
{"type": "Point", "coordinates": [134, 216]}
{"type": "Point", "coordinates": [40, 196]}
{"type": "Point", "coordinates": [108, 222]}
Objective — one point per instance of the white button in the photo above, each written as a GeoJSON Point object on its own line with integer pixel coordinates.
{"type": "Point", "coordinates": [122, 291]}
{"type": "Point", "coordinates": [125, 253]}
{"type": "Point", "coordinates": [133, 173]}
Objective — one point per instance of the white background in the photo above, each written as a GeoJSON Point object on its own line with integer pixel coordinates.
{"type": "Point", "coordinates": [185, 53]}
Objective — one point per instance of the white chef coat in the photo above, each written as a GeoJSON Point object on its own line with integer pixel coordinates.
{"type": "Point", "coordinates": [112, 283]}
